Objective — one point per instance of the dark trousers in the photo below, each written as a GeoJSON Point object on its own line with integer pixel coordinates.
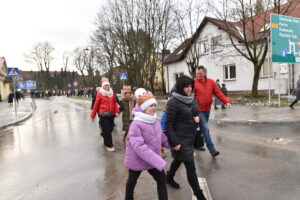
{"type": "Point", "coordinates": [107, 126]}
{"type": "Point", "coordinates": [159, 177]}
{"type": "Point", "coordinates": [294, 102]}
{"type": "Point", "coordinates": [190, 172]}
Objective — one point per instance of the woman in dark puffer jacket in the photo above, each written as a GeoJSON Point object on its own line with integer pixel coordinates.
{"type": "Point", "coordinates": [181, 116]}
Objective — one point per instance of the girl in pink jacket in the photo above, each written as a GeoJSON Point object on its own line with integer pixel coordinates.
{"type": "Point", "coordinates": [143, 144]}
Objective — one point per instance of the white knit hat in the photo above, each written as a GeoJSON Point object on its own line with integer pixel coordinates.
{"type": "Point", "coordinates": [139, 92]}
{"type": "Point", "coordinates": [145, 100]}
{"type": "Point", "coordinates": [104, 81]}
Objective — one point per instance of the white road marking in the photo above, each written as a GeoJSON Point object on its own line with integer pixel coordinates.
{"type": "Point", "coordinates": [204, 188]}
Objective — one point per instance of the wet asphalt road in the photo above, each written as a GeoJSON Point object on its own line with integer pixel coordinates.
{"type": "Point", "coordinates": [57, 154]}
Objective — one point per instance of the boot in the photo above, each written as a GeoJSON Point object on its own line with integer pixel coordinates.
{"type": "Point", "coordinates": [216, 107]}
{"type": "Point", "coordinates": [200, 196]}
{"type": "Point", "coordinates": [171, 181]}
{"type": "Point", "coordinates": [292, 104]}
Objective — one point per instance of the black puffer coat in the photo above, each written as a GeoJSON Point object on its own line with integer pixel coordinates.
{"type": "Point", "coordinates": [181, 127]}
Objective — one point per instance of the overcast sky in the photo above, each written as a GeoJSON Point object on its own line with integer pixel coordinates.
{"type": "Point", "coordinates": [66, 24]}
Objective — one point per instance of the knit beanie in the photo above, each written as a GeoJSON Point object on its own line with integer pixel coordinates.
{"type": "Point", "coordinates": [145, 100]}
{"type": "Point", "coordinates": [104, 81]}
{"type": "Point", "coordinates": [126, 89]}
{"type": "Point", "coordinates": [139, 92]}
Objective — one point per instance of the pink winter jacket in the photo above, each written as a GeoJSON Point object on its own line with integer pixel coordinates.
{"type": "Point", "coordinates": [143, 144]}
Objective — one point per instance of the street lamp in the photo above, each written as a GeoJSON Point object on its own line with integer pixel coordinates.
{"type": "Point", "coordinates": [91, 61]}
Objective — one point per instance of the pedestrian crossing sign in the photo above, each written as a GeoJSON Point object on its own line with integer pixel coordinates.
{"type": "Point", "coordinates": [12, 72]}
{"type": "Point", "coordinates": [123, 76]}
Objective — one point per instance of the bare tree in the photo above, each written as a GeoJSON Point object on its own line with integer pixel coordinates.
{"type": "Point", "coordinates": [79, 60]}
{"type": "Point", "coordinates": [130, 35]}
{"type": "Point", "coordinates": [40, 55]}
{"type": "Point", "coordinates": [247, 25]}
{"type": "Point", "coordinates": [188, 17]}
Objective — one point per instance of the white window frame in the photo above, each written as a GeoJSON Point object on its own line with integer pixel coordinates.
{"type": "Point", "coordinates": [216, 46]}
{"type": "Point", "coordinates": [227, 68]}
{"type": "Point", "coordinates": [266, 65]}
{"type": "Point", "coordinates": [203, 45]}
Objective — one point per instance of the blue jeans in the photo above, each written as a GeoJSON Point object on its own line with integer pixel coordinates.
{"type": "Point", "coordinates": [204, 117]}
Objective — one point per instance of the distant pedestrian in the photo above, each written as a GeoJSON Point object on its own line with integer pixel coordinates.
{"type": "Point", "coordinates": [217, 102]}
{"type": "Point", "coordinates": [204, 89]}
{"type": "Point", "coordinates": [297, 95]}
{"type": "Point", "coordinates": [224, 90]}
{"type": "Point", "coordinates": [94, 95]}
{"type": "Point", "coordinates": [143, 144]}
{"type": "Point", "coordinates": [107, 108]}
{"type": "Point", "coordinates": [127, 104]}
{"type": "Point", "coordinates": [11, 99]}
{"type": "Point", "coordinates": [181, 118]}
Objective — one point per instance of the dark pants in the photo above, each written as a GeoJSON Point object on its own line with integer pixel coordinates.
{"type": "Point", "coordinates": [107, 126]}
{"type": "Point", "coordinates": [190, 172]}
{"type": "Point", "coordinates": [294, 102]}
{"type": "Point", "coordinates": [159, 177]}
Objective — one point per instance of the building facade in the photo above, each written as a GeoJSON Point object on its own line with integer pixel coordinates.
{"type": "Point", "coordinates": [223, 62]}
{"type": "Point", "coordinates": [4, 80]}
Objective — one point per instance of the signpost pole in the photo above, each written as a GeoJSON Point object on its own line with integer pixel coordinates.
{"type": "Point", "coordinates": [15, 96]}
{"type": "Point", "coordinates": [269, 70]}
{"type": "Point", "coordinates": [279, 85]}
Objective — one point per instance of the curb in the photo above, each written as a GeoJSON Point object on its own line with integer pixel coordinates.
{"type": "Point", "coordinates": [16, 122]}
{"type": "Point", "coordinates": [249, 122]}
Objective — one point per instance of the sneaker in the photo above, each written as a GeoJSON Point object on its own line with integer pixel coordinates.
{"type": "Point", "coordinates": [215, 154]}
{"type": "Point", "coordinates": [110, 149]}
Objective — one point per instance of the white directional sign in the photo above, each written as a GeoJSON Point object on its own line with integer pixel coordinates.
{"type": "Point", "coordinates": [123, 76]}
{"type": "Point", "coordinates": [12, 72]}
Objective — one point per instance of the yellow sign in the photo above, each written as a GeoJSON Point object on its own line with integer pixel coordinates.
{"type": "Point", "coordinates": [274, 25]}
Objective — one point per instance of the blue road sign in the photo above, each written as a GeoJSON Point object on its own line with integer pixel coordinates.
{"type": "Point", "coordinates": [123, 76]}
{"type": "Point", "coordinates": [12, 72]}
{"type": "Point", "coordinates": [21, 85]}
{"type": "Point", "coordinates": [30, 85]}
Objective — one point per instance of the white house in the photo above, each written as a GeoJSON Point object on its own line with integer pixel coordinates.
{"type": "Point", "coordinates": [225, 63]}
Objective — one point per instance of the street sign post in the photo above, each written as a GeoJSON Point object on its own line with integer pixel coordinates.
{"type": "Point", "coordinates": [13, 72]}
{"type": "Point", "coordinates": [123, 76]}
{"type": "Point", "coordinates": [285, 39]}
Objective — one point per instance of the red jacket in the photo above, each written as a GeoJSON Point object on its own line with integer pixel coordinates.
{"type": "Point", "coordinates": [105, 104]}
{"type": "Point", "coordinates": [204, 91]}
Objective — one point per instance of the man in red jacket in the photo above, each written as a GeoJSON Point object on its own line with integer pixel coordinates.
{"type": "Point", "coordinates": [205, 88]}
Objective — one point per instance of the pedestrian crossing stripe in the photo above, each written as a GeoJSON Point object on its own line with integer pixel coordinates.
{"type": "Point", "coordinates": [13, 72]}
{"type": "Point", "coordinates": [204, 188]}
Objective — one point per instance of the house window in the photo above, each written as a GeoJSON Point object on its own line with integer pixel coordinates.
{"type": "Point", "coordinates": [216, 43]}
{"type": "Point", "coordinates": [266, 69]}
{"type": "Point", "coordinates": [229, 72]}
{"type": "Point", "coordinates": [177, 75]}
{"type": "Point", "coordinates": [203, 47]}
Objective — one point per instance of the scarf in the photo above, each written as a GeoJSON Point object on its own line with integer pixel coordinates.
{"type": "Point", "coordinates": [105, 93]}
{"type": "Point", "coordinates": [183, 99]}
{"type": "Point", "coordinates": [143, 117]}
{"type": "Point", "coordinates": [131, 105]}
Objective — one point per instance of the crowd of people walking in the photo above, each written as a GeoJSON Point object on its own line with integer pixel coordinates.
{"type": "Point", "coordinates": [144, 136]}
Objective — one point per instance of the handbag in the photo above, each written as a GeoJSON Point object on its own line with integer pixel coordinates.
{"type": "Point", "coordinates": [106, 114]}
